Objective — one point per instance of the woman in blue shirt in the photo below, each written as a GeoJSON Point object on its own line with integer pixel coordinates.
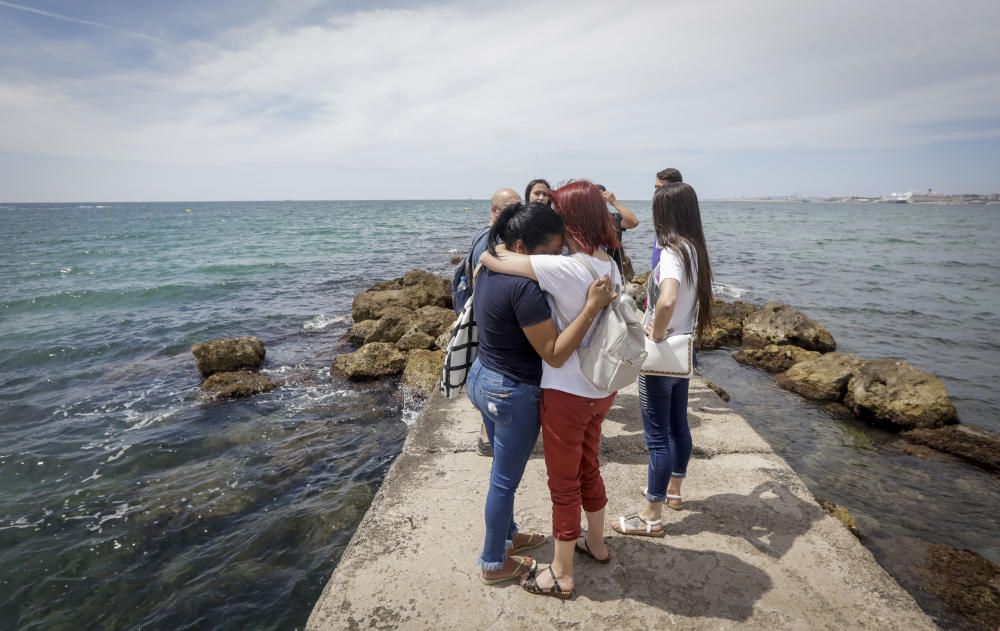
{"type": "Point", "coordinates": [516, 332]}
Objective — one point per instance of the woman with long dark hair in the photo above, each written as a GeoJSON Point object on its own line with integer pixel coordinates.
{"type": "Point", "coordinates": [680, 301]}
{"type": "Point", "coordinates": [573, 409]}
{"type": "Point", "coordinates": [538, 192]}
{"type": "Point", "coordinates": [516, 332]}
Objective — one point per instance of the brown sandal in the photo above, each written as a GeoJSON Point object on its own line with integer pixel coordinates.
{"type": "Point", "coordinates": [533, 540]}
{"type": "Point", "coordinates": [525, 565]}
{"type": "Point", "coordinates": [530, 585]}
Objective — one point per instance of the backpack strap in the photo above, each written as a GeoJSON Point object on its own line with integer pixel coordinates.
{"type": "Point", "coordinates": [470, 278]}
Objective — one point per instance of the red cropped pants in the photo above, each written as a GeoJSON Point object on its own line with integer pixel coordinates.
{"type": "Point", "coordinates": [571, 430]}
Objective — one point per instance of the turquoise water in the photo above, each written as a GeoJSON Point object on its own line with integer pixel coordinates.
{"type": "Point", "coordinates": [125, 503]}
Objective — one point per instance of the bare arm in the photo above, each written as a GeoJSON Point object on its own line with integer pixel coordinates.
{"type": "Point", "coordinates": [629, 220]}
{"type": "Point", "coordinates": [664, 310]}
{"type": "Point", "coordinates": [554, 347]}
{"type": "Point", "coordinates": [509, 263]}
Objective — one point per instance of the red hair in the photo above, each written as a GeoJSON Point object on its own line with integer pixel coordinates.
{"type": "Point", "coordinates": [586, 215]}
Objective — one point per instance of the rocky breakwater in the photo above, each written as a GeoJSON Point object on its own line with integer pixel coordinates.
{"type": "Point", "coordinates": [230, 368]}
{"type": "Point", "coordinates": [888, 393]}
{"type": "Point", "coordinates": [400, 326]}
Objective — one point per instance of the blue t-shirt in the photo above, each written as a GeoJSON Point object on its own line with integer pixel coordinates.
{"type": "Point", "coordinates": [503, 306]}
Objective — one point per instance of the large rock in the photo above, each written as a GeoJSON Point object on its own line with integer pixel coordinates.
{"type": "Point", "coordinates": [360, 331]}
{"type": "Point", "coordinates": [423, 371]}
{"type": "Point", "coordinates": [822, 379]}
{"type": "Point", "coordinates": [432, 321]}
{"type": "Point", "coordinates": [641, 279]}
{"type": "Point", "coordinates": [437, 287]}
{"type": "Point", "coordinates": [372, 304]}
{"type": "Point", "coordinates": [726, 326]}
{"type": "Point", "coordinates": [975, 445]}
{"type": "Point", "coordinates": [966, 582]}
{"type": "Point", "coordinates": [393, 324]}
{"type": "Point", "coordinates": [777, 323]}
{"type": "Point", "coordinates": [774, 358]}
{"type": "Point", "coordinates": [228, 355]}
{"type": "Point", "coordinates": [415, 340]}
{"type": "Point", "coordinates": [894, 393]}
{"type": "Point", "coordinates": [371, 361]}
{"type": "Point", "coordinates": [235, 385]}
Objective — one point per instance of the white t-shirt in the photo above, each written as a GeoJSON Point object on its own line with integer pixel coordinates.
{"type": "Point", "coordinates": [671, 265]}
{"type": "Point", "coordinates": [565, 280]}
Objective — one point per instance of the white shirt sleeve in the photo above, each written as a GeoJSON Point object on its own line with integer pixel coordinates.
{"type": "Point", "coordinates": [671, 266]}
{"type": "Point", "coordinates": [553, 271]}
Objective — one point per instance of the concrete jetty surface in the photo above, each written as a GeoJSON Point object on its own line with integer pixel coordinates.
{"type": "Point", "coordinates": [750, 550]}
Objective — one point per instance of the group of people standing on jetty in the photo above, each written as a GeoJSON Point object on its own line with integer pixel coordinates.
{"type": "Point", "coordinates": [535, 298]}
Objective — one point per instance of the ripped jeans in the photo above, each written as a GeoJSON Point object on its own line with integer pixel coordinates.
{"type": "Point", "coordinates": [510, 413]}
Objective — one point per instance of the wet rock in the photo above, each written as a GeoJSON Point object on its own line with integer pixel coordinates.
{"type": "Point", "coordinates": [432, 321]}
{"type": "Point", "coordinates": [228, 355]}
{"type": "Point", "coordinates": [777, 323]}
{"type": "Point", "coordinates": [371, 361]}
{"type": "Point", "coordinates": [774, 358]}
{"type": "Point", "coordinates": [235, 385]}
{"type": "Point", "coordinates": [977, 446]}
{"type": "Point", "coordinates": [443, 340]}
{"type": "Point", "coordinates": [456, 259]}
{"type": "Point", "coordinates": [717, 389]}
{"type": "Point", "coordinates": [726, 326]}
{"type": "Point", "coordinates": [360, 331]}
{"type": "Point", "coordinates": [415, 340]}
{"type": "Point", "coordinates": [393, 324]}
{"type": "Point", "coordinates": [892, 392]}
{"type": "Point", "coordinates": [822, 379]}
{"type": "Point", "coordinates": [842, 515]}
{"type": "Point", "coordinates": [966, 582]}
{"type": "Point", "coordinates": [423, 371]}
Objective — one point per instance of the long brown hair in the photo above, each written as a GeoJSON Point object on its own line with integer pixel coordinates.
{"type": "Point", "coordinates": [677, 220]}
{"type": "Point", "coordinates": [585, 212]}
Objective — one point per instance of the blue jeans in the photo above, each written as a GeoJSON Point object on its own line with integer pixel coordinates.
{"type": "Point", "coordinates": [663, 401]}
{"type": "Point", "coordinates": [510, 413]}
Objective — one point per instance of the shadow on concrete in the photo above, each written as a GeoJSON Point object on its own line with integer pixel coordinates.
{"type": "Point", "coordinates": [770, 518]}
{"type": "Point", "coordinates": [629, 447]}
{"type": "Point", "coordinates": [691, 583]}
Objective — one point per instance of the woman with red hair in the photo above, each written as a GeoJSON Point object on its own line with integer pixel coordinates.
{"type": "Point", "coordinates": [572, 408]}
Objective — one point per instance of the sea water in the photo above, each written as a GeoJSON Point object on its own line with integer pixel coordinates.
{"type": "Point", "coordinates": [126, 503]}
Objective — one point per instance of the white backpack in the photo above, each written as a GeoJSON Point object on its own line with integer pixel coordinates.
{"type": "Point", "coordinates": [462, 351]}
{"type": "Point", "coordinates": [617, 348]}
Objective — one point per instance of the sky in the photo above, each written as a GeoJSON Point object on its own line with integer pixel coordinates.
{"type": "Point", "coordinates": [144, 100]}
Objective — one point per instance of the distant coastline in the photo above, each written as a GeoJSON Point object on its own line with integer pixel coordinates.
{"type": "Point", "coordinates": [894, 198]}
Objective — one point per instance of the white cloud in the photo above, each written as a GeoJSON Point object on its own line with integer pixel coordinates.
{"type": "Point", "coordinates": [563, 84]}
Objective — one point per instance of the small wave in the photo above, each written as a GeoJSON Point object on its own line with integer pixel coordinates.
{"type": "Point", "coordinates": [413, 405]}
{"type": "Point", "coordinates": [322, 321]}
{"type": "Point", "coordinates": [66, 270]}
{"type": "Point", "coordinates": [729, 291]}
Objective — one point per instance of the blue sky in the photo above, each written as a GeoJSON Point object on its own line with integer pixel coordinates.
{"type": "Point", "coordinates": [142, 100]}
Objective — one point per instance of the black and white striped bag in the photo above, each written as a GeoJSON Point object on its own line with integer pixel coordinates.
{"type": "Point", "coordinates": [462, 351]}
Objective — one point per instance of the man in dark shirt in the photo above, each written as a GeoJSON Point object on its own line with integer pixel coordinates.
{"type": "Point", "coordinates": [624, 219]}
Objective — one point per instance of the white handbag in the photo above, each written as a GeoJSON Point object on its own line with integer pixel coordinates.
{"type": "Point", "coordinates": [673, 357]}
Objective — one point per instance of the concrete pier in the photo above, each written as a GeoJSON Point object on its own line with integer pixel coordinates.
{"type": "Point", "coordinates": [750, 550]}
